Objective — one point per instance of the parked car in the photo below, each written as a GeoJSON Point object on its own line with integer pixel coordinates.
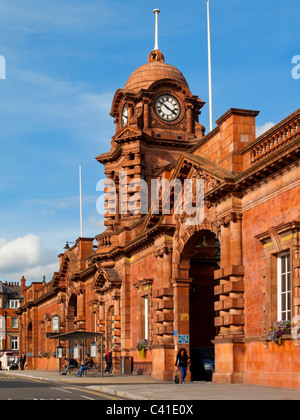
{"type": "Point", "coordinates": [209, 368]}
{"type": "Point", "coordinates": [202, 363]}
{"type": "Point", "coordinates": [8, 359]}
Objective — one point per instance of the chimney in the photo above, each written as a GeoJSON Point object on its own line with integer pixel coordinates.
{"type": "Point", "coordinates": [23, 285]}
{"type": "Point", "coordinates": [85, 249]}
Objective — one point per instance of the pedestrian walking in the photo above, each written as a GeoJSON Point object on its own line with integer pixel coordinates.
{"type": "Point", "coordinates": [108, 360]}
{"type": "Point", "coordinates": [182, 361]}
{"type": "Point", "coordinates": [22, 361]}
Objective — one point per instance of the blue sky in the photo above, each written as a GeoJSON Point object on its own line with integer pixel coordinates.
{"type": "Point", "coordinates": [64, 61]}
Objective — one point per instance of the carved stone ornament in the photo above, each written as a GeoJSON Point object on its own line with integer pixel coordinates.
{"type": "Point", "coordinates": [106, 280]}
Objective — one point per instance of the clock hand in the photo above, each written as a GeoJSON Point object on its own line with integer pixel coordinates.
{"type": "Point", "coordinates": [171, 110]}
{"type": "Point", "coordinates": [168, 108]}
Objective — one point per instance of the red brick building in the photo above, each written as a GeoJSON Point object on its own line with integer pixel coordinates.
{"type": "Point", "coordinates": [219, 284]}
{"type": "Point", "coordinates": [10, 298]}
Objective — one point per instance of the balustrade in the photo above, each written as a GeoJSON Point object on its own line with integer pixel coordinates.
{"type": "Point", "coordinates": [276, 139]}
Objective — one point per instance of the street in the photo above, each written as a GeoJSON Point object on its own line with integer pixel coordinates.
{"type": "Point", "coordinates": [17, 388]}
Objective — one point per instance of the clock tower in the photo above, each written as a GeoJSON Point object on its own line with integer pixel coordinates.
{"type": "Point", "coordinates": [157, 119]}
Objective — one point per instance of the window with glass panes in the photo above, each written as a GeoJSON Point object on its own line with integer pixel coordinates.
{"type": "Point", "coordinates": [284, 286]}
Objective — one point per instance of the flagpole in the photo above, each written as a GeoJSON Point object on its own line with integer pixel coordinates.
{"type": "Point", "coordinates": [156, 11]}
{"type": "Point", "coordinates": [209, 69]}
{"type": "Point", "coordinates": [80, 195]}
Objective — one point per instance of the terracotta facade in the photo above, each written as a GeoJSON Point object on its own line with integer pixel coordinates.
{"type": "Point", "coordinates": [158, 277]}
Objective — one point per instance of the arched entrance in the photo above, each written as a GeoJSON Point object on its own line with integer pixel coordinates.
{"type": "Point", "coordinates": [72, 313]}
{"type": "Point", "coordinates": [199, 259]}
{"type": "Point", "coordinates": [29, 340]}
{"type": "Point", "coordinates": [203, 263]}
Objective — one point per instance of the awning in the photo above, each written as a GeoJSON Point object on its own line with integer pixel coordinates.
{"type": "Point", "coordinates": [74, 335]}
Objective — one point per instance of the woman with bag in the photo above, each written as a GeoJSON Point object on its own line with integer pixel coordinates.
{"type": "Point", "coordinates": [182, 361]}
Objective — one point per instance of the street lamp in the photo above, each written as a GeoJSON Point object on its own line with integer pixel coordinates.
{"type": "Point", "coordinates": [5, 330]}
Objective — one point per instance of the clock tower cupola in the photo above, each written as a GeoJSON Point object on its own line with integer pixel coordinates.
{"type": "Point", "coordinates": [156, 118]}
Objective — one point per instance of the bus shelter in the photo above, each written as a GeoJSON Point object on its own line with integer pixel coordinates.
{"type": "Point", "coordinates": [80, 343]}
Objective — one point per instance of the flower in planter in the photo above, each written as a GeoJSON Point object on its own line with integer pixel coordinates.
{"type": "Point", "coordinates": [143, 344]}
{"type": "Point", "coordinates": [278, 329]}
{"type": "Point", "coordinates": [40, 355]}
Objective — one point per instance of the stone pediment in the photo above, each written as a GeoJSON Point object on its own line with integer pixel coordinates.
{"type": "Point", "coordinates": [217, 183]}
{"type": "Point", "coordinates": [127, 133]}
{"type": "Point", "coordinates": [197, 167]}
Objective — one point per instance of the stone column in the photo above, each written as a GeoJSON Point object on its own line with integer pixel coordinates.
{"type": "Point", "coordinates": [229, 347]}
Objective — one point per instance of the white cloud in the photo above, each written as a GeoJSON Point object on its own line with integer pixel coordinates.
{"type": "Point", "coordinates": [51, 206]}
{"type": "Point", "coordinates": [40, 17]}
{"type": "Point", "coordinates": [26, 256]}
{"type": "Point", "coordinates": [37, 273]}
{"type": "Point", "coordinates": [70, 106]}
{"type": "Point", "coordinates": [261, 129]}
{"type": "Point", "coordinates": [96, 222]}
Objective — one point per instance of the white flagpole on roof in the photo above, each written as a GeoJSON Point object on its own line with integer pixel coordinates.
{"type": "Point", "coordinates": [80, 194]}
{"type": "Point", "coordinates": [209, 69]}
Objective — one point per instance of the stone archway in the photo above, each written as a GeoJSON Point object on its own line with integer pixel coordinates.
{"type": "Point", "coordinates": [229, 317]}
{"type": "Point", "coordinates": [195, 259]}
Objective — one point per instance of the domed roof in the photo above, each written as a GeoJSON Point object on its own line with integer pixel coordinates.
{"type": "Point", "coordinates": [156, 69]}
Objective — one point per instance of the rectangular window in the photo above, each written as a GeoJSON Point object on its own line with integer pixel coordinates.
{"type": "Point", "coordinates": [14, 322]}
{"type": "Point", "coordinates": [146, 318]}
{"type": "Point", "coordinates": [13, 304]}
{"type": "Point", "coordinates": [284, 288]}
{"type": "Point", "coordinates": [14, 343]}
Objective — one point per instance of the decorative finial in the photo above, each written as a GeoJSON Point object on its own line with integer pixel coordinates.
{"type": "Point", "coordinates": [156, 55]}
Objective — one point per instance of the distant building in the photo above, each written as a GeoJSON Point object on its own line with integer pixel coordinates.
{"type": "Point", "coordinates": [10, 297]}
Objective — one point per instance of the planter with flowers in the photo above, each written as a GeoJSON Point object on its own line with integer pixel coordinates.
{"type": "Point", "coordinates": [142, 346]}
{"type": "Point", "coordinates": [278, 329]}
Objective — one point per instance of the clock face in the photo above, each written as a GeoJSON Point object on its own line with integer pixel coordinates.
{"type": "Point", "coordinates": [125, 115]}
{"type": "Point", "coordinates": [167, 107]}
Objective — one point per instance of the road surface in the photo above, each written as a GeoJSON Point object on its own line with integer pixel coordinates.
{"type": "Point", "coordinates": [17, 388]}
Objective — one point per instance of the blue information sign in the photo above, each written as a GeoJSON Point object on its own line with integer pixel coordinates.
{"type": "Point", "coordinates": [183, 338]}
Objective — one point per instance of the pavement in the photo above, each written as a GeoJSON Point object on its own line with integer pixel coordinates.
{"type": "Point", "coordinates": [134, 387]}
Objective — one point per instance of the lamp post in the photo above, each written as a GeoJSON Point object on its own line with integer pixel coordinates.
{"type": "Point", "coordinates": [5, 330]}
